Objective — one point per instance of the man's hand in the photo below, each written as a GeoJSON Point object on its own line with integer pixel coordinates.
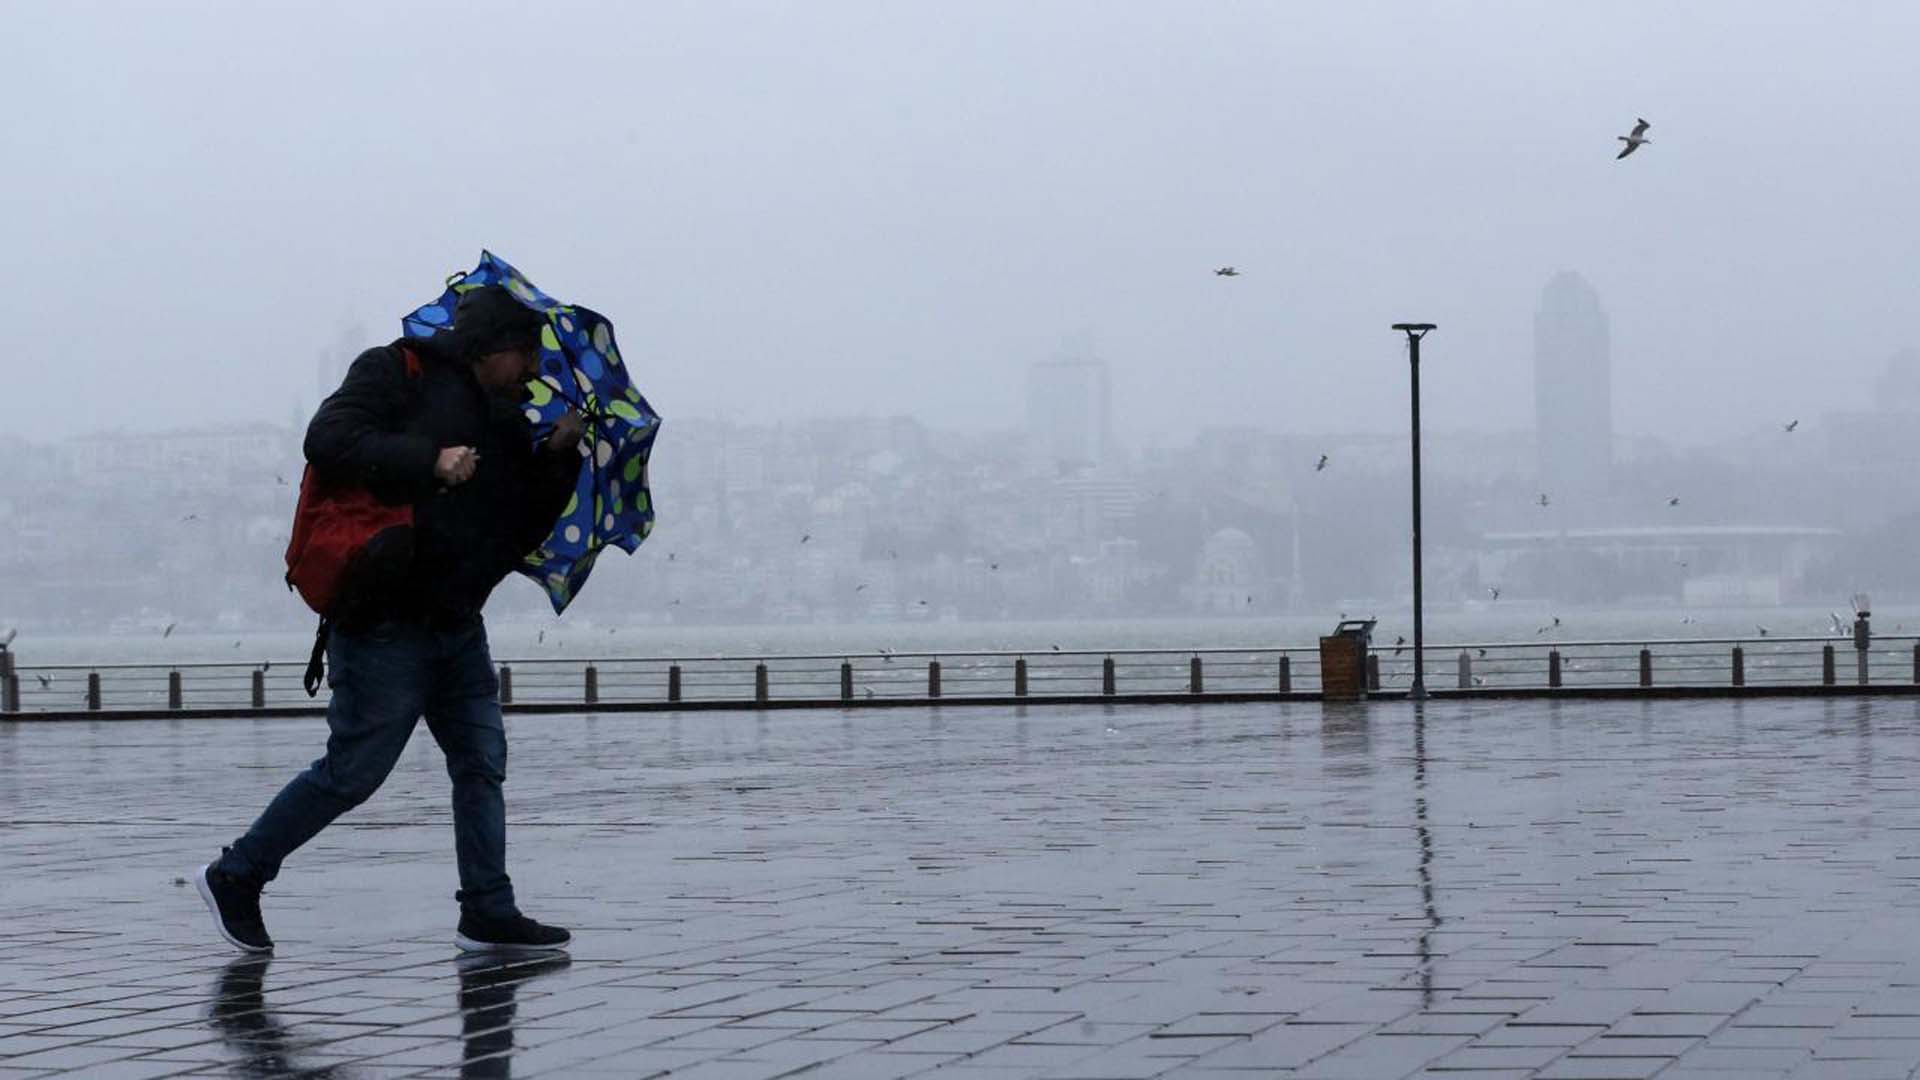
{"type": "Point", "coordinates": [566, 433]}
{"type": "Point", "coordinates": [456, 465]}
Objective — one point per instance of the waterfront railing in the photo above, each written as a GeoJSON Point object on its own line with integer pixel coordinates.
{"type": "Point", "coordinates": [1756, 665]}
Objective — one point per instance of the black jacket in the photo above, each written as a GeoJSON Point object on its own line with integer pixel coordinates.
{"type": "Point", "coordinates": [384, 429]}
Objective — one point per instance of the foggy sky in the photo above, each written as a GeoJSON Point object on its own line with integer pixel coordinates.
{"type": "Point", "coordinates": [830, 208]}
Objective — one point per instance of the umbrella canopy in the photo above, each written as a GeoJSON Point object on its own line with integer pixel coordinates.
{"type": "Point", "coordinates": [580, 370]}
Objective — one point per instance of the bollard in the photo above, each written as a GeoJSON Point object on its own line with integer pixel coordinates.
{"type": "Point", "coordinates": [1826, 665]}
{"type": "Point", "coordinates": [846, 680]}
{"type": "Point", "coordinates": [760, 683]}
{"type": "Point", "coordinates": [1020, 677]}
{"type": "Point", "coordinates": [1464, 664]}
{"type": "Point", "coordinates": [1553, 668]}
{"type": "Point", "coordinates": [1194, 683]}
{"type": "Point", "coordinates": [93, 691]}
{"type": "Point", "coordinates": [1739, 666]}
{"type": "Point", "coordinates": [1862, 638]}
{"type": "Point", "coordinates": [593, 685]}
{"type": "Point", "coordinates": [259, 688]}
{"type": "Point", "coordinates": [1916, 663]}
{"type": "Point", "coordinates": [673, 682]}
{"type": "Point", "coordinates": [1286, 674]}
{"type": "Point", "coordinates": [933, 678]}
{"type": "Point", "coordinates": [1107, 679]}
{"type": "Point", "coordinates": [173, 690]}
{"type": "Point", "coordinates": [506, 684]}
{"type": "Point", "coordinates": [1373, 672]}
{"type": "Point", "coordinates": [1646, 668]}
{"type": "Point", "coordinates": [9, 682]}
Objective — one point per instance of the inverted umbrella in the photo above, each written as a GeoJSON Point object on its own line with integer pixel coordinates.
{"type": "Point", "coordinates": [580, 370]}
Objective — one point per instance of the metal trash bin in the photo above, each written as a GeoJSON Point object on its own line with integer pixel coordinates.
{"type": "Point", "coordinates": [1343, 660]}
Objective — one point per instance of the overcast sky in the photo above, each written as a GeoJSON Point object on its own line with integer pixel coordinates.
{"type": "Point", "coordinates": [822, 208]}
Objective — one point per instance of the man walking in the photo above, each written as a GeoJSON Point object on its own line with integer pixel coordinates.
{"type": "Point", "coordinates": [448, 437]}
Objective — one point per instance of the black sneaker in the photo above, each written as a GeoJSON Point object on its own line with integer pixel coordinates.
{"type": "Point", "coordinates": [235, 904]}
{"type": "Point", "coordinates": [516, 933]}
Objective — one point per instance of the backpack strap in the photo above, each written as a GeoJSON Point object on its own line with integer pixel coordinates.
{"type": "Point", "coordinates": [317, 660]}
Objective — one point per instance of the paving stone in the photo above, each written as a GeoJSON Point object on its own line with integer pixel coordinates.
{"type": "Point", "coordinates": [1557, 888]}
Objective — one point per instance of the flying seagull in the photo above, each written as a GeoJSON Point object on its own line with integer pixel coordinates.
{"type": "Point", "coordinates": [1321, 464]}
{"type": "Point", "coordinates": [1791, 424]}
{"type": "Point", "coordinates": [1493, 591]}
{"type": "Point", "coordinates": [168, 632]}
{"type": "Point", "coordinates": [1675, 501]}
{"type": "Point", "coordinates": [1763, 630]}
{"type": "Point", "coordinates": [45, 682]}
{"type": "Point", "coordinates": [1543, 500]}
{"type": "Point", "coordinates": [7, 638]}
{"type": "Point", "coordinates": [860, 587]}
{"type": "Point", "coordinates": [1633, 139]}
{"type": "Point", "coordinates": [1839, 629]}
{"type": "Point", "coordinates": [1226, 271]}
{"type": "Point", "coordinates": [806, 537]}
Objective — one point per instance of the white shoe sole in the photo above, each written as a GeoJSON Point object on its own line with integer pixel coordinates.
{"type": "Point", "coordinates": [213, 906]}
{"type": "Point", "coordinates": [468, 944]}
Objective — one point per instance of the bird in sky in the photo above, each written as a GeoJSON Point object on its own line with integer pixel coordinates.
{"type": "Point", "coordinates": [1055, 648]}
{"type": "Point", "coordinates": [1483, 654]}
{"type": "Point", "coordinates": [1493, 591]}
{"type": "Point", "coordinates": [236, 644]}
{"type": "Point", "coordinates": [1634, 139]}
{"type": "Point", "coordinates": [1674, 501]}
{"type": "Point", "coordinates": [1763, 630]}
{"type": "Point", "coordinates": [1680, 563]}
{"type": "Point", "coordinates": [1478, 681]}
{"type": "Point", "coordinates": [1226, 271]}
{"type": "Point", "coordinates": [672, 555]}
{"type": "Point", "coordinates": [168, 632]}
{"type": "Point", "coordinates": [1839, 628]}
{"type": "Point", "coordinates": [191, 517]}
{"type": "Point", "coordinates": [806, 537]}
{"type": "Point", "coordinates": [676, 603]}
{"type": "Point", "coordinates": [1249, 599]}
{"type": "Point", "coordinates": [923, 603]}
{"type": "Point", "coordinates": [540, 638]}
{"type": "Point", "coordinates": [1791, 424]}
{"type": "Point", "coordinates": [278, 479]}
{"type": "Point", "coordinates": [862, 587]}
{"type": "Point", "coordinates": [1320, 465]}
{"type": "Point", "coordinates": [45, 682]}
{"type": "Point", "coordinates": [1397, 643]}
{"type": "Point", "coordinates": [1686, 619]}
{"type": "Point", "coordinates": [266, 666]}
{"type": "Point", "coordinates": [1543, 500]}
{"type": "Point", "coordinates": [993, 566]}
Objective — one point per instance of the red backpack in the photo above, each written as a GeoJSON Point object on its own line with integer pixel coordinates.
{"type": "Point", "coordinates": [333, 526]}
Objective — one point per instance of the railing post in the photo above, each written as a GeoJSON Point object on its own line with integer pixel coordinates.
{"type": "Point", "coordinates": [259, 688]}
{"type": "Point", "coordinates": [1464, 669]}
{"type": "Point", "coordinates": [9, 682]}
{"type": "Point", "coordinates": [1826, 666]}
{"type": "Point", "coordinates": [1373, 672]}
{"type": "Point", "coordinates": [846, 680]}
{"type": "Point", "coordinates": [593, 685]}
{"type": "Point", "coordinates": [93, 690]}
{"type": "Point", "coordinates": [760, 684]}
{"type": "Point", "coordinates": [933, 678]}
{"type": "Point", "coordinates": [1107, 680]}
{"type": "Point", "coordinates": [1195, 684]}
{"type": "Point", "coordinates": [673, 682]}
{"type": "Point", "coordinates": [1553, 668]}
{"type": "Point", "coordinates": [506, 684]}
{"type": "Point", "coordinates": [1646, 667]}
{"type": "Point", "coordinates": [1739, 666]}
{"type": "Point", "coordinates": [1916, 663]}
{"type": "Point", "coordinates": [1020, 677]}
{"type": "Point", "coordinates": [1286, 674]}
{"type": "Point", "coordinates": [173, 690]}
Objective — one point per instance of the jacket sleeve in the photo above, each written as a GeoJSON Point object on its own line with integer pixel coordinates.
{"type": "Point", "coordinates": [551, 479]}
{"type": "Point", "coordinates": [359, 434]}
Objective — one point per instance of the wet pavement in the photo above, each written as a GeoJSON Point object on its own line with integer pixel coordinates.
{"type": "Point", "coordinates": [1554, 889]}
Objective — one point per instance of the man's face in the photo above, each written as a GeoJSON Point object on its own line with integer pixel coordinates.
{"type": "Point", "coordinates": [506, 372]}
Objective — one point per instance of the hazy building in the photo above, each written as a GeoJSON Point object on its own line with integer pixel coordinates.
{"type": "Point", "coordinates": [1070, 411]}
{"type": "Point", "coordinates": [1572, 391]}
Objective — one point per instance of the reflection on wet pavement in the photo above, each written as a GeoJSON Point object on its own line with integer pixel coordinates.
{"type": "Point", "coordinates": [1554, 889]}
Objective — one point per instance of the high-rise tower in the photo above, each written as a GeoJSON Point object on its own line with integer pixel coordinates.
{"type": "Point", "coordinates": [1572, 390]}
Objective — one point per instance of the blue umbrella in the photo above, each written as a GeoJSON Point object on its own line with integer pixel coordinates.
{"type": "Point", "coordinates": [580, 370]}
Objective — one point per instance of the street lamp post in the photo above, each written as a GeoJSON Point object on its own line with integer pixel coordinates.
{"type": "Point", "coordinates": [1414, 332]}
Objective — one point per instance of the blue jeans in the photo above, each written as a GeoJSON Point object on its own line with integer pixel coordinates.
{"type": "Point", "coordinates": [383, 681]}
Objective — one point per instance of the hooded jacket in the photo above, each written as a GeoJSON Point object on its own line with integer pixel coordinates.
{"type": "Point", "coordinates": [384, 430]}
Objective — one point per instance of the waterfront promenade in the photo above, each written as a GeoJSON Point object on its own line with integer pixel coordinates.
{"type": "Point", "coordinates": [1577, 888]}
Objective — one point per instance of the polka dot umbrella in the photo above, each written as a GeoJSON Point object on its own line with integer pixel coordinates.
{"type": "Point", "coordinates": [580, 369]}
